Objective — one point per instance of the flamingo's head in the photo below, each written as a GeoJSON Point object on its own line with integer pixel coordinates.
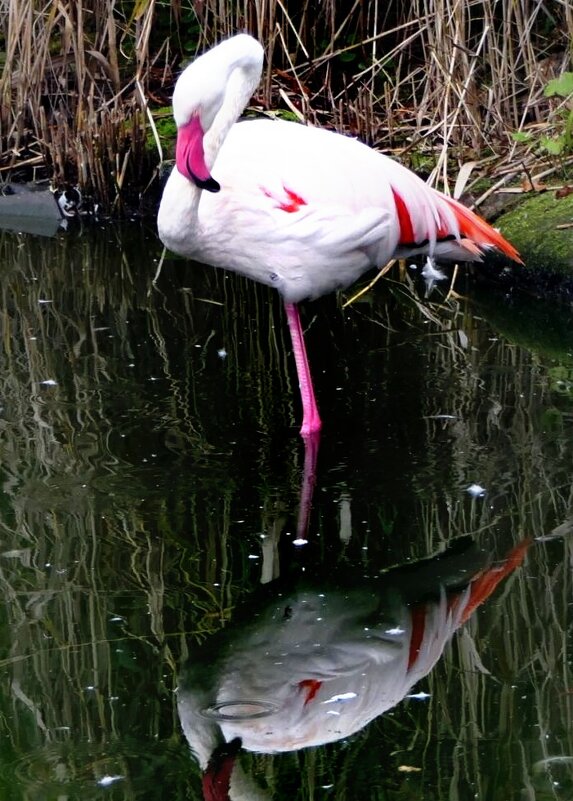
{"type": "Point", "coordinates": [209, 96]}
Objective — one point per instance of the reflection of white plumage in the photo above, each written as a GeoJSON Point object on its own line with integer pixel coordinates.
{"type": "Point", "coordinates": [301, 209]}
{"type": "Point", "coordinates": [318, 663]}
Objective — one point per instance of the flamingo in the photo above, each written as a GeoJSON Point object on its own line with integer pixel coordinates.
{"type": "Point", "coordinates": [295, 207]}
{"type": "Point", "coordinates": [313, 661]}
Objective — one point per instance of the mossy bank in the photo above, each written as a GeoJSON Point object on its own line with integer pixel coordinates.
{"type": "Point", "coordinates": [541, 228]}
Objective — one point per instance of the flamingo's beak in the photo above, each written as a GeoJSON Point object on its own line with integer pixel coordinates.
{"type": "Point", "coordinates": [190, 157]}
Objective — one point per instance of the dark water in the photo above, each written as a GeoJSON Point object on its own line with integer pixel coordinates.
{"type": "Point", "coordinates": [151, 472]}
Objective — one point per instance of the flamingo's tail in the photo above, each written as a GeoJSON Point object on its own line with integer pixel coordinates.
{"type": "Point", "coordinates": [476, 234]}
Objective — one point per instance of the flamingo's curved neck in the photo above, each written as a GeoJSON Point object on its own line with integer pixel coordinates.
{"type": "Point", "coordinates": [242, 80]}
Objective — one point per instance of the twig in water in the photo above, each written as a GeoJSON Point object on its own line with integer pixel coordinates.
{"type": "Point", "coordinates": [369, 286]}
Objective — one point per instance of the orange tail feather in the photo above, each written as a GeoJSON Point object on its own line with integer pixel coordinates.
{"type": "Point", "coordinates": [479, 231]}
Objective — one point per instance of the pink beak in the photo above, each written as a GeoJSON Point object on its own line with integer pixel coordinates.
{"type": "Point", "coordinates": [190, 157]}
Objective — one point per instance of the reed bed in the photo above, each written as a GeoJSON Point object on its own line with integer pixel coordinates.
{"type": "Point", "coordinates": [85, 85]}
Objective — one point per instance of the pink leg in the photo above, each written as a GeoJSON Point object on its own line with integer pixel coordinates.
{"type": "Point", "coordinates": [311, 419]}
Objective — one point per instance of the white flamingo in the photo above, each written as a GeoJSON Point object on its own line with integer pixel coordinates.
{"type": "Point", "coordinates": [301, 209]}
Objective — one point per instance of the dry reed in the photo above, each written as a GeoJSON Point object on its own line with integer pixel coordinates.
{"type": "Point", "coordinates": [447, 81]}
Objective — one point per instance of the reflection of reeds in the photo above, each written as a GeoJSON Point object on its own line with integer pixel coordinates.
{"type": "Point", "coordinates": [75, 312]}
{"type": "Point", "coordinates": [509, 430]}
{"type": "Point", "coordinates": [135, 487]}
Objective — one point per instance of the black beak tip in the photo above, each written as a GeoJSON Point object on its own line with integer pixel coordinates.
{"type": "Point", "coordinates": [210, 184]}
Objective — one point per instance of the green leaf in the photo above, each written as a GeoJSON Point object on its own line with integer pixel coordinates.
{"type": "Point", "coordinates": [562, 86]}
{"type": "Point", "coordinates": [522, 136]}
{"type": "Point", "coordinates": [553, 146]}
{"type": "Point", "coordinates": [284, 114]}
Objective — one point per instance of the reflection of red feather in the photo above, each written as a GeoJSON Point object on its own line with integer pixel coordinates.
{"type": "Point", "coordinates": [418, 614]}
{"type": "Point", "coordinates": [311, 687]}
{"type": "Point", "coordinates": [480, 588]}
{"type": "Point", "coordinates": [217, 777]}
{"type": "Point", "coordinates": [483, 586]}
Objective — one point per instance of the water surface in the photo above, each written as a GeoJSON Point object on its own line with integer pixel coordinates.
{"type": "Point", "coordinates": [149, 440]}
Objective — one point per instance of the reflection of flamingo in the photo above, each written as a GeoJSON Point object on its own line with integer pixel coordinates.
{"type": "Point", "coordinates": [298, 208]}
{"type": "Point", "coordinates": [315, 663]}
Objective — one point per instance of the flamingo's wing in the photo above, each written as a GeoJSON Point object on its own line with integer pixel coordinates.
{"type": "Point", "coordinates": [325, 169]}
{"type": "Point", "coordinates": [313, 230]}
{"type": "Point", "coordinates": [308, 211]}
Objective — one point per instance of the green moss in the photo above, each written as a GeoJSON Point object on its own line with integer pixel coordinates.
{"type": "Point", "coordinates": [166, 130]}
{"type": "Point", "coordinates": [533, 227]}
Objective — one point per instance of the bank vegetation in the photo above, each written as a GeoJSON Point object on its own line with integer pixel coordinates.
{"type": "Point", "coordinates": [86, 84]}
